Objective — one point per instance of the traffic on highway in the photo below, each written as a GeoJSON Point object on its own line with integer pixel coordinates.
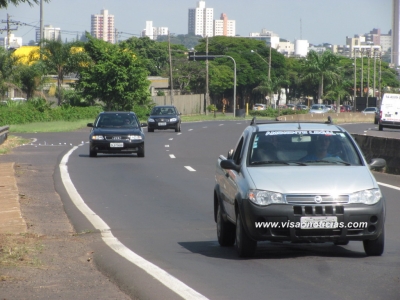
{"type": "Point", "coordinates": [155, 215]}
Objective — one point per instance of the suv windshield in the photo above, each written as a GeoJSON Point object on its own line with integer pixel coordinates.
{"type": "Point", "coordinates": [302, 148]}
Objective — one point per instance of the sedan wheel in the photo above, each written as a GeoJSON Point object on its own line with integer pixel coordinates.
{"type": "Point", "coordinates": [141, 152]}
{"type": "Point", "coordinates": [178, 127]}
{"type": "Point", "coordinates": [245, 246]}
{"type": "Point", "coordinates": [225, 230]}
{"type": "Point", "coordinates": [150, 129]}
{"type": "Point", "coordinates": [92, 153]}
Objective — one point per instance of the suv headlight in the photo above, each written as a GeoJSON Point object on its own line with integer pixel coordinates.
{"type": "Point", "coordinates": [98, 137]}
{"type": "Point", "coordinates": [173, 119]}
{"type": "Point", "coordinates": [265, 197]}
{"type": "Point", "coordinates": [369, 197]}
{"type": "Point", "coordinates": [150, 120]}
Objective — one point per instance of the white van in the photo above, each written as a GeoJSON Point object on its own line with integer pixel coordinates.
{"type": "Point", "coordinates": [390, 111]}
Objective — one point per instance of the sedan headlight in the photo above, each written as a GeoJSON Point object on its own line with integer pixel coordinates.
{"type": "Point", "coordinates": [135, 137]}
{"type": "Point", "coordinates": [369, 197]}
{"type": "Point", "coordinates": [265, 197]}
{"type": "Point", "coordinates": [150, 120]}
{"type": "Point", "coordinates": [98, 137]}
{"type": "Point", "coordinates": [173, 119]}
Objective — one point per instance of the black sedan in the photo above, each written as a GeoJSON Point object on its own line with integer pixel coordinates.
{"type": "Point", "coordinates": [116, 132]}
{"type": "Point", "coordinates": [164, 117]}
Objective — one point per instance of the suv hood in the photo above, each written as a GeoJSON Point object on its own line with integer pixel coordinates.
{"type": "Point", "coordinates": [322, 179]}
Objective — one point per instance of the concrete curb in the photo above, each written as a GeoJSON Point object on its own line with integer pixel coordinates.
{"type": "Point", "coordinates": [12, 221]}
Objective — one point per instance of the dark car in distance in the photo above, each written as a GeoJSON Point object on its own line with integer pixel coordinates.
{"type": "Point", "coordinates": [118, 133]}
{"type": "Point", "coordinates": [164, 117]}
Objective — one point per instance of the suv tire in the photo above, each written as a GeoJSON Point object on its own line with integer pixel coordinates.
{"type": "Point", "coordinates": [375, 247]}
{"type": "Point", "coordinates": [225, 230]}
{"type": "Point", "coordinates": [245, 246]}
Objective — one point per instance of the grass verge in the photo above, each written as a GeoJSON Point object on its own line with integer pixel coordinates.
{"type": "Point", "coordinates": [10, 143]}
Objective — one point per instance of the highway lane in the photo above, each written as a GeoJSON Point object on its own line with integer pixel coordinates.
{"type": "Point", "coordinates": [163, 211]}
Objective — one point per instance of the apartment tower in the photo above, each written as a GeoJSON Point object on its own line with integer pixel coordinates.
{"type": "Point", "coordinates": [224, 27]}
{"type": "Point", "coordinates": [102, 26]}
{"type": "Point", "coordinates": [201, 20]}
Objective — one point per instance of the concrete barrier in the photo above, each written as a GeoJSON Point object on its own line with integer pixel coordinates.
{"type": "Point", "coordinates": [380, 147]}
{"type": "Point", "coordinates": [3, 133]}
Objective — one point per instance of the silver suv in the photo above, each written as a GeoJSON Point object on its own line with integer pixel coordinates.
{"type": "Point", "coordinates": [298, 182]}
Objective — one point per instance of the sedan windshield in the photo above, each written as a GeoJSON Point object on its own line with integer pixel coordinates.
{"type": "Point", "coordinates": [303, 148]}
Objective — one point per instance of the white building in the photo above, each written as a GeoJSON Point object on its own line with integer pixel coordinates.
{"type": "Point", "coordinates": [224, 27]}
{"type": "Point", "coordinates": [268, 36]}
{"type": "Point", "coordinates": [15, 42]}
{"type": "Point", "coordinates": [301, 48]}
{"type": "Point", "coordinates": [201, 20]}
{"type": "Point", "coordinates": [286, 48]}
{"type": "Point", "coordinates": [102, 26]}
{"type": "Point", "coordinates": [49, 33]}
{"type": "Point", "coordinates": [154, 32]}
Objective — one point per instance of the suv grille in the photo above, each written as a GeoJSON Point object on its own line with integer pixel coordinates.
{"type": "Point", "coordinates": [312, 199]}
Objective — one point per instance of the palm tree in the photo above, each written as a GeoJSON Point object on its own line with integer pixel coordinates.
{"type": "Point", "coordinates": [338, 92]}
{"type": "Point", "coordinates": [265, 88]}
{"type": "Point", "coordinates": [318, 67]}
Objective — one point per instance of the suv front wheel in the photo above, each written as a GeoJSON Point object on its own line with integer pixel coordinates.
{"type": "Point", "coordinates": [245, 246]}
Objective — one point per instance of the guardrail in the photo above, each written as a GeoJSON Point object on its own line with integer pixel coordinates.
{"type": "Point", "coordinates": [3, 133]}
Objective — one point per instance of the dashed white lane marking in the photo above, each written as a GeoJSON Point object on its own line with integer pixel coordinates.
{"type": "Point", "coordinates": [172, 156]}
{"type": "Point", "coordinates": [205, 127]}
{"type": "Point", "coordinates": [190, 129]}
{"type": "Point", "coordinates": [171, 139]}
{"type": "Point", "coordinates": [389, 186]}
{"type": "Point", "coordinates": [162, 276]}
{"type": "Point", "coordinates": [190, 168]}
{"type": "Point", "coordinates": [221, 125]}
{"type": "Point", "coordinates": [166, 146]}
{"type": "Point", "coordinates": [179, 133]}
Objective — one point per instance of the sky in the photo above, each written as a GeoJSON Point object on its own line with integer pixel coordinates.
{"type": "Point", "coordinates": [317, 21]}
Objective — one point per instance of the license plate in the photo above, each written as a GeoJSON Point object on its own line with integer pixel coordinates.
{"type": "Point", "coordinates": [116, 145]}
{"type": "Point", "coordinates": [162, 124]}
{"type": "Point", "coordinates": [318, 222]}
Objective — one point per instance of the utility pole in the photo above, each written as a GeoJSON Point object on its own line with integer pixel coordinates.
{"type": "Point", "coordinates": [207, 92]}
{"type": "Point", "coordinates": [41, 23]}
{"type": "Point", "coordinates": [8, 29]}
{"type": "Point", "coordinates": [380, 77]}
{"type": "Point", "coordinates": [374, 73]}
{"type": "Point", "coordinates": [170, 71]}
{"type": "Point", "coordinates": [369, 56]}
{"type": "Point", "coordinates": [362, 70]}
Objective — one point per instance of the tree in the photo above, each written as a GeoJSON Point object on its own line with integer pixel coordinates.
{"type": "Point", "coordinates": [113, 75]}
{"type": "Point", "coordinates": [5, 3]}
{"type": "Point", "coordinates": [61, 59]}
{"type": "Point", "coordinates": [30, 78]}
{"type": "Point", "coordinates": [338, 92]}
{"type": "Point", "coordinates": [318, 67]}
{"type": "Point", "coordinates": [154, 55]}
{"type": "Point", "coordinates": [6, 71]}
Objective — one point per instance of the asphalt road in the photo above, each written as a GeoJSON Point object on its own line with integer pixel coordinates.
{"type": "Point", "coordinates": [160, 208]}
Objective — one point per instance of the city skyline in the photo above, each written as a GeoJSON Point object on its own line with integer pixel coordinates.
{"type": "Point", "coordinates": [290, 19]}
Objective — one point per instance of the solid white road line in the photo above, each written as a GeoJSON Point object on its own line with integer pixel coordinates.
{"type": "Point", "coordinates": [162, 276]}
{"type": "Point", "coordinates": [389, 186]}
{"type": "Point", "coordinates": [190, 169]}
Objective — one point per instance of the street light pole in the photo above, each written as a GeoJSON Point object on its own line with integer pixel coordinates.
{"type": "Point", "coordinates": [171, 82]}
{"type": "Point", "coordinates": [269, 67]}
{"type": "Point", "coordinates": [355, 82]}
{"type": "Point", "coordinates": [369, 56]}
{"type": "Point", "coordinates": [362, 70]}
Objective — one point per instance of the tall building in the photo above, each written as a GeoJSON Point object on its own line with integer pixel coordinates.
{"type": "Point", "coordinates": [102, 26]}
{"type": "Point", "coordinates": [154, 32]}
{"type": "Point", "coordinates": [49, 33]}
{"type": "Point", "coordinates": [201, 20]}
{"type": "Point", "coordinates": [395, 59]}
{"type": "Point", "coordinates": [224, 27]}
